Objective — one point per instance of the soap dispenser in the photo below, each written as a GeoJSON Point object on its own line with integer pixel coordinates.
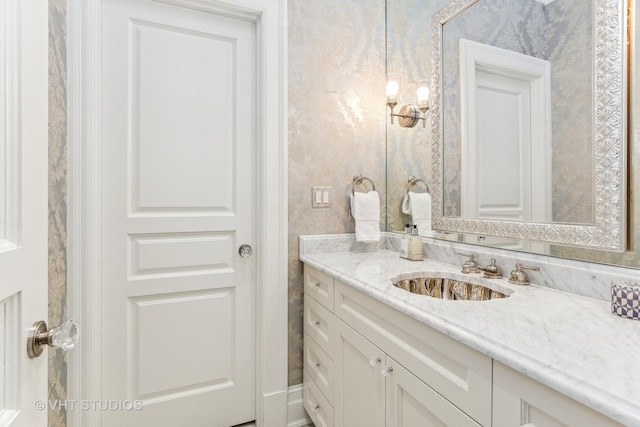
{"type": "Point", "coordinates": [415, 245]}
{"type": "Point", "coordinates": [404, 242]}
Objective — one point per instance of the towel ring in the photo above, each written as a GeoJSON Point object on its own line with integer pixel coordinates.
{"type": "Point", "coordinates": [413, 181]}
{"type": "Point", "coordinates": [359, 179]}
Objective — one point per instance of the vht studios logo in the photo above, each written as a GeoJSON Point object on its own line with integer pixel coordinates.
{"type": "Point", "coordinates": [89, 405]}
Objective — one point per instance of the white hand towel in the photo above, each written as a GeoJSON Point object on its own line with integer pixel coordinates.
{"type": "Point", "coordinates": [406, 205]}
{"type": "Point", "coordinates": [365, 208]}
{"type": "Point", "coordinates": [420, 204]}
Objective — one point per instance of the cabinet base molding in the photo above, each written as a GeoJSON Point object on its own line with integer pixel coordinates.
{"type": "Point", "coordinates": [296, 415]}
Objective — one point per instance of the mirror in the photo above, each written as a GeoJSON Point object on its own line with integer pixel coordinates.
{"type": "Point", "coordinates": [574, 170]}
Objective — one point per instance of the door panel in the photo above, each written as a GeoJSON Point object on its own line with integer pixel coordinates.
{"type": "Point", "coordinates": [208, 368]}
{"type": "Point", "coordinates": [502, 148]}
{"type": "Point", "coordinates": [23, 208]}
{"type": "Point", "coordinates": [179, 254]}
{"type": "Point", "coordinates": [182, 95]}
{"type": "Point", "coordinates": [178, 197]}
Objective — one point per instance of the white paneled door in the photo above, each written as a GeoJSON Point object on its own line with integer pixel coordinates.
{"type": "Point", "coordinates": [23, 208]}
{"type": "Point", "coordinates": [506, 146]}
{"type": "Point", "coordinates": [178, 202]}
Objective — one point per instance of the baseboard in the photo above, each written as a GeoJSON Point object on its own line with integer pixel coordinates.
{"type": "Point", "coordinates": [296, 415]}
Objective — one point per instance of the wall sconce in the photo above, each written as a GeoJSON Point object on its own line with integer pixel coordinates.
{"type": "Point", "coordinates": [409, 114]}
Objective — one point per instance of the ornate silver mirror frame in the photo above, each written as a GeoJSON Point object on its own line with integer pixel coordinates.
{"type": "Point", "coordinates": [608, 231]}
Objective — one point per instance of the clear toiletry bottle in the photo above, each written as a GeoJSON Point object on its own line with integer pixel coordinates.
{"type": "Point", "coordinates": [404, 242]}
{"type": "Point", "coordinates": [415, 245]}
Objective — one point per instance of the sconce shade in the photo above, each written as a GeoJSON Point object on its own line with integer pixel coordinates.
{"type": "Point", "coordinates": [423, 96]}
{"type": "Point", "coordinates": [392, 89]}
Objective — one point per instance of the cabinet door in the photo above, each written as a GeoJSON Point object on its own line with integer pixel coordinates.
{"type": "Point", "coordinates": [519, 400]}
{"type": "Point", "coordinates": [411, 403]}
{"type": "Point", "coordinates": [359, 394]}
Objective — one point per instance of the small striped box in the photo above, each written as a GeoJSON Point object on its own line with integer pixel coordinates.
{"type": "Point", "coordinates": [625, 299]}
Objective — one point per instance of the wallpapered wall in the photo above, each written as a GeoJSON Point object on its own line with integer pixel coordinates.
{"type": "Point", "coordinates": [568, 26]}
{"type": "Point", "coordinates": [336, 124]}
{"type": "Point", "coordinates": [57, 200]}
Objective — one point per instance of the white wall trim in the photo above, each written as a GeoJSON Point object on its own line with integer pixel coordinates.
{"type": "Point", "coordinates": [83, 209]}
{"type": "Point", "coordinates": [296, 415]}
{"type": "Point", "coordinates": [84, 103]}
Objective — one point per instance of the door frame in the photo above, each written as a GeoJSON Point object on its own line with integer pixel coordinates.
{"type": "Point", "coordinates": [84, 204]}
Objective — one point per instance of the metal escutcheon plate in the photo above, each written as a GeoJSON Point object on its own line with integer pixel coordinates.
{"type": "Point", "coordinates": [245, 251]}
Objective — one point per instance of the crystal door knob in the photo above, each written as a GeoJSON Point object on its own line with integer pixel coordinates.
{"type": "Point", "coordinates": [245, 251]}
{"type": "Point", "coordinates": [64, 337]}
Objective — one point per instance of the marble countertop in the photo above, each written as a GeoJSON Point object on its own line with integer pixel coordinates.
{"type": "Point", "coordinates": [571, 343]}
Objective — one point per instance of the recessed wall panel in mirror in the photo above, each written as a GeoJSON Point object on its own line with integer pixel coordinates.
{"type": "Point", "coordinates": [400, 46]}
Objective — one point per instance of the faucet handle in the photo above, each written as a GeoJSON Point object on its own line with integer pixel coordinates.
{"type": "Point", "coordinates": [492, 271]}
{"type": "Point", "coordinates": [471, 265]}
{"type": "Point", "coordinates": [519, 276]}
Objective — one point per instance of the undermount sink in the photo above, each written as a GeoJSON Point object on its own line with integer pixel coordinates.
{"type": "Point", "coordinates": [448, 289]}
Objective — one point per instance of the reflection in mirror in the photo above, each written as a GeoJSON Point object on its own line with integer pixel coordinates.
{"type": "Point", "coordinates": [606, 231]}
{"type": "Point", "coordinates": [408, 56]}
{"type": "Point", "coordinates": [516, 108]}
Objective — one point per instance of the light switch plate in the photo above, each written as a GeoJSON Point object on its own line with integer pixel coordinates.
{"type": "Point", "coordinates": [320, 197]}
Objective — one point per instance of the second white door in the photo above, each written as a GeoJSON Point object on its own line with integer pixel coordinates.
{"type": "Point", "coordinates": [178, 198]}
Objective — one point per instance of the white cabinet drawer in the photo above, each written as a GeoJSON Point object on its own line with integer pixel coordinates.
{"type": "Point", "coordinates": [318, 408]}
{"type": "Point", "coordinates": [454, 370]}
{"type": "Point", "coordinates": [518, 400]}
{"type": "Point", "coordinates": [319, 285]}
{"type": "Point", "coordinates": [319, 366]}
{"type": "Point", "coordinates": [319, 323]}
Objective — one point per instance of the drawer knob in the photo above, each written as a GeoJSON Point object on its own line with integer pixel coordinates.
{"type": "Point", "coordinates": [315, 408]}
{"type": "Point", "coordinates": [375, 361]}
{"type": "Point", "coordinates": [316, 323]}
{"type": "Point", "coordinates": [316, 366]}
{"type": "Point", "coordinates": [386, 371]}
{"type": "Point", "coordinates": [316, 284]}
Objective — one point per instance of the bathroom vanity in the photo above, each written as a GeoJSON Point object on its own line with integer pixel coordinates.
{"type": "Point", "coordinates": [378, 355]}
